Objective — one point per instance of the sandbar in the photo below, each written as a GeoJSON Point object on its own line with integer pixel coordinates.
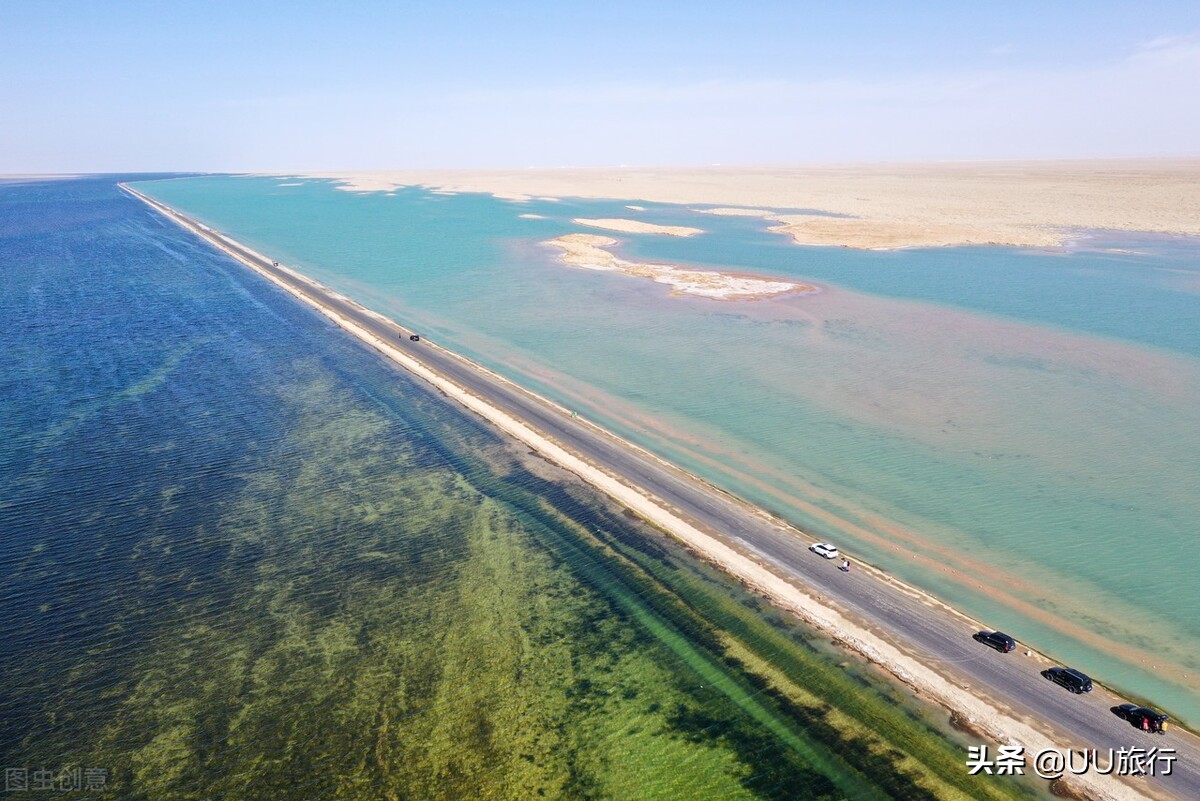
{"type": "Point", "coordinates": [1019, 204]}
{"type": "Point", "coordinates": [20, 177]}
{"type": "Point", "coordinates": [638, 227]}
{"type": "Point", "coordinates": [588, 251]}
{"type": "Point", "coordinates": [737, 212]}
{"type": "Point", "coordinates": [827, 231]}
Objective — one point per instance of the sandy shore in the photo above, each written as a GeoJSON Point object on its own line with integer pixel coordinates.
{"type": "Point", "coordinates": [1025, 204]}
{"type": "Point", "coordinates": [979, 713]}
{"type": "Point", "coordinates": [16, 177]}
{"type": "Point", "coordinates": [638, 227]}
{"type": "Point", "coordinates": [823, 231]}
{"type": "Point", "coordinates": [588, 251]}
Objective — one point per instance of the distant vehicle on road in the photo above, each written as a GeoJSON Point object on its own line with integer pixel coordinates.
{"type": "Point", "coordinates": [1070, 678]}
{"type": "Point", "coordinates": [1141, 717]}
{"type": "Point", "coordinates": [415, 337]}
{"type": "Point", "coordinates": [998, 640]}
{"type": "Point", "coordinates": [824, 549]}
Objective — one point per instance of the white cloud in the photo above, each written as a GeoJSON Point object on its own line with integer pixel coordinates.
{"type": "Point", "coordinates": [1173, 42]}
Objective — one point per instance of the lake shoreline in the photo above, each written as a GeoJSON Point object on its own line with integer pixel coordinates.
{"type": "Point", "coordinates": [872, 206]}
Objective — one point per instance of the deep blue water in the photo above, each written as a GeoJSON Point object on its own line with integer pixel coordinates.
{"type": "Point", "coordinates": [116, 342]}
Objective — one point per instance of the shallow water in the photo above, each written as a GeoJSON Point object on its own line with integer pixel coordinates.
{"type": "Point", "coordinates": [1015, 430]}
{"type": "Point", "coordinates": [241, 557]}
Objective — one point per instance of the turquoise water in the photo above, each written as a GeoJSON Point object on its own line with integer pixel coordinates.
{"type": "Point", "coordinates": [1015, 430]}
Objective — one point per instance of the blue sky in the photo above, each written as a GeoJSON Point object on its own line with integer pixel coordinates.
{"type": "Point", "coordinates": [113, 86]}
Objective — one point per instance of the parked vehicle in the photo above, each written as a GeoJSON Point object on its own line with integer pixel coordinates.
{"type": "Point", "coordinates": [998, 640]}
{"type": "Point", "coordinates": [1070, 678]}
{"type": "Point", "coordinates": [824, 549]}
{"type": "Point", "coordinates": [415, 337]}
{"type": "Point", "coordinates": [1142, 717]}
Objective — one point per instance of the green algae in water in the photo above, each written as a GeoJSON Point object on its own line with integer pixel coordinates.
{"type": "Point", "coordinates": [389, 630]}
{"type": "Point", "coordinates": [399, 620]}
{"type": "Point", "coordinates": [404, 623]}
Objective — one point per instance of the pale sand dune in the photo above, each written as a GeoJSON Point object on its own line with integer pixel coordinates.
{"type": "Point", "coordinates": [1027, 204]}
{"type": "Point", "coordinates": [588, 252]}
{"type": "Point", "coordinates": [806, 229]}
{"type": "Point", "coordinates": [810, 229]}
{"type": "Point", "coordinates": [33, 176]}
{"type": "Point", "coordinates": [637, 227]}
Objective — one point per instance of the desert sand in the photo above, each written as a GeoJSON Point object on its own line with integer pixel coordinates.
{"type": "Point", "coordinates": [34, 176]}
{"type": "Point", "coordinates": [588, 252]}
{"type": "Point", "coordinates": [1023, 204]}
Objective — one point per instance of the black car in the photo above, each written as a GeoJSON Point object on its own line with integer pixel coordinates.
{"type": "Point", "coordinates": [998, 640]}
{"type": "Point", "coordinates": [1070, 678]}
{"type": "Point", "coordinates": [1142, 717]}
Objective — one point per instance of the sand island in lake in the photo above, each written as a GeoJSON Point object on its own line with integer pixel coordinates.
{"type": "Point", "coordinates": [589, 252]}
{"type": "Point", "coordinates": [638, 227]}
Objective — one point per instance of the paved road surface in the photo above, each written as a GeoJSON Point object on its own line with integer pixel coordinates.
{"type": "Point", "coordinates": [939, 638]}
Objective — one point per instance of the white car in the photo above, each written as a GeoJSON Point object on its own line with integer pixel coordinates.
{"type": "Point", "coordinates": [824, 549]}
